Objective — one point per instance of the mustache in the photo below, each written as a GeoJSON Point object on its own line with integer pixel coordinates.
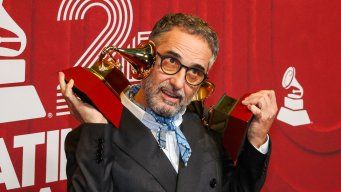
{"type": "Point", "coordinates": [169, 88]}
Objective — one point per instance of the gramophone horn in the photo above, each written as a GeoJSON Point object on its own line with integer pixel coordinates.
{"type": "Point", "coordinates": [289, 80]}
{"type": "Point", "coordinates": [141, 58]}
{"type": "Point", "coordinates": [205, 90]}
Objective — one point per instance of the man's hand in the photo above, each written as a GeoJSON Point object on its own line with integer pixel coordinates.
{"type": "Point", "coordinates": [264, 107]}
{"type": "Point", "coordinates": [83, 112]}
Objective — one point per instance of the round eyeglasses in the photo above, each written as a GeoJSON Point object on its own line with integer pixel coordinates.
{"type": "Point", "coordinates": [170, 66]}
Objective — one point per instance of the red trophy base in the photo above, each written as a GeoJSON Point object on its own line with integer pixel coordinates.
{"type": "Point", "coordinates": [237, 125]}
{"type": "Point", "coordinates": [230, 118]}
{"type": "Point", "coordinates": [104, 95]}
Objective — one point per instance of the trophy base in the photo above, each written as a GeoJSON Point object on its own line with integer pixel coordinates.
{"type": "Point", "coordinates": [294, 118]}
{"type": "Point", "coordinates": [231, 119]}
{"type": "Point", "coordinates": [102, 95]}
{"type": "Point", "coordinates": [20, 103]}
{"type": "Point", "coordinates": [237, 125]}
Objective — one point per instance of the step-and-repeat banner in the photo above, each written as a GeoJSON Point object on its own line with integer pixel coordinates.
{"type": "Point", "coordinates": [292, 47]}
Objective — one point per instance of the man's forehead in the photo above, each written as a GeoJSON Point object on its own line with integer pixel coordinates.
{"type": "Point", "coordinates": [188, 48]}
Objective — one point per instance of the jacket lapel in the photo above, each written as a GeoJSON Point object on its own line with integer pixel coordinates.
{"type": "Point", "coordinates": [189, 176]}
{"type": "Point", "coordinates": [139, 143]}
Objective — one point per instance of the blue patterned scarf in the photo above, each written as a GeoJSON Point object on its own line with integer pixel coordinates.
{"type": "Point", "coordinates": [185, 149]}
{"type": "Point", "coordinates": [166, 124]}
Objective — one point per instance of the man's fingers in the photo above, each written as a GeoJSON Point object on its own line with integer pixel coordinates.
{"type": "Point", "coordinates": [262, 104]}
{"type": "Point", "coordinates": [272, 96]}
{"type": "Point", "coordinates": [252, 100]}
{"type": "Point", "coordinates": [62, 81]}
{"type": "Point", "coordinates": [267, 102]}
{"type": "Point", "coordinates": [72, 101]}
{"type": "Point", "coordinates": [69, 95]}
{"type": "Point", "coordinates": [272, 103]}
{"type": "Point", "coordinates": [81, 111]}
{"type": "Point", "coordinates": [68, 89]}
{"type": "Point", "coordinates": [259, 114]}
{"type": "Point", "coordinates": [75, 112]}
{"type": "Point", "coordinates": [255, 98]}
{"type": "Point", "coordinates": [255, 110]}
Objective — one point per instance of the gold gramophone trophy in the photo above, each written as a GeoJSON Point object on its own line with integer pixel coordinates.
{"type": "Point", "coordinates": [102, 84]}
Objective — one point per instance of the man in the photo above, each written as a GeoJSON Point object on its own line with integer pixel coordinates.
{"type": "Point", "coordinates": [161, 146]}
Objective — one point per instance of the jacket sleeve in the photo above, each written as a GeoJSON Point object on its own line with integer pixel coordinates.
{"type": "Point", "coordinates": [89, 159]}
{"type": "Point", "coordinates": [249, 172]}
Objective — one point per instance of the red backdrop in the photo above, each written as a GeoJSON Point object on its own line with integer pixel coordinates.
{"type": "Point", "coordinates": [259, 41]}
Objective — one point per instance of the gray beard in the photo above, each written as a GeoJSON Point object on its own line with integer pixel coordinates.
{"type": "Point", "coordinates": [150, 91]}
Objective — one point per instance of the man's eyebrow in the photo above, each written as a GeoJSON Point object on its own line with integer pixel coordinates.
{"type": "Point", "coordinates": [174, 54]}
{"type": "Point", "coordinates": [198, 66]}
{"type": "Point", "coordinates": [178, 57]}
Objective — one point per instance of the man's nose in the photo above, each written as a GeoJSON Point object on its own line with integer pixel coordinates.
{"type": "Point", "coordinates": [178, 79]}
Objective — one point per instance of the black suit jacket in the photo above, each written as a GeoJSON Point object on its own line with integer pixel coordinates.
{"type": "Point", "coordinates": [103, 158]}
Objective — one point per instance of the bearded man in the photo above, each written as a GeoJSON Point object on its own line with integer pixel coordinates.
{"type": "Point", "coordinates": [159, 145]}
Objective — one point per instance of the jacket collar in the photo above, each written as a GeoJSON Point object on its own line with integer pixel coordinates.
{"type": "Point", "coordinates": [189, 176]}
{"type": "Point", "coordinates": [139, 143]}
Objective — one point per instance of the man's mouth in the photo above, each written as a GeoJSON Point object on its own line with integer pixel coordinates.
{"type": "Point", "coordinates": [170, 96]}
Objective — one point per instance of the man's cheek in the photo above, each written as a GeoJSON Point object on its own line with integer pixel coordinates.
{"type": "Point", "coordinates": [190, 94]}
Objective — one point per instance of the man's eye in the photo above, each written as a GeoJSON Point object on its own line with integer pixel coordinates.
{"type": "Point", "coordinates": [172, 60]}
{"type": "Point", "coordinates": [195, 71]}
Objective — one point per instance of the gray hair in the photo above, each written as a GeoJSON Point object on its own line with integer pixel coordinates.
{"type": "Point", "coordinates": [192, 25]}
